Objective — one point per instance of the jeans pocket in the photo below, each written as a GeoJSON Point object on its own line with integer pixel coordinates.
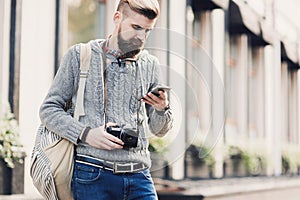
{"type": "Point", "coordinates": [146, 174]}
{"type": "Point", "coordinates": [87, 174]}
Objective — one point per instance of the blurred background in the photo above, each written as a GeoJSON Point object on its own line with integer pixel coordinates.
{"type": "Point", "coordinates": [233, 66]}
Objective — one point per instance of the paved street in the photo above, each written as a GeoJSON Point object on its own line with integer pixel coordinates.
{"type": "Point", "coordinates": [247, 188]}
{"type": "Point", "coordinates": [19, 197]}
{"type": "Point", "coordinates": [281, 194]}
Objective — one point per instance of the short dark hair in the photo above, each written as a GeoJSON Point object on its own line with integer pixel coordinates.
{"type": "Point", "coordinates": [148, 8]}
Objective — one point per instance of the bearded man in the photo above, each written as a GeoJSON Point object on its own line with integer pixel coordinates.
{"type": "Point", "coordinates": [112, 160]}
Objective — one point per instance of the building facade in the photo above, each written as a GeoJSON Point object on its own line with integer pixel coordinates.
{"type": "Point", "coordinates": [233, 66]}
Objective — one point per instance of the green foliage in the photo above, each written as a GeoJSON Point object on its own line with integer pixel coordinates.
{"type": "Point", "coordinates": [202, 154]}
{"type": "Point", "coordinates": [235, 152]}
{"type": "Point", "coordinates": [290, 159]}
{"type": "Point", "coordinates": [253, 161]}
{"type": "Point", "coordinates": [286, 164]}
{"type": "Point", "coordinates": [9, 140]}
{"type": "Point", "coordinates": [158, 145]}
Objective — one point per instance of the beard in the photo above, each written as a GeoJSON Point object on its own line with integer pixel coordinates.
{"type": "Point", "coordinates": [130, 47]}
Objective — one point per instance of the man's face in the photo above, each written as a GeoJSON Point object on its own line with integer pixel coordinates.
{"type": "Point", "coordinates": [132, 33]}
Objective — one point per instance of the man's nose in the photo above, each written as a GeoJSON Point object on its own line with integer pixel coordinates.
{"type": "Point", "coordinates": [141, 34]}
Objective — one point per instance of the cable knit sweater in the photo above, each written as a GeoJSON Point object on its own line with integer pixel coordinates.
{"type": "Point", "coordinates": [121, 102]}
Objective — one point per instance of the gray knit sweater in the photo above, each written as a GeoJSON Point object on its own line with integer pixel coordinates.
{"type": "Point", "coordinates": [121, 102]}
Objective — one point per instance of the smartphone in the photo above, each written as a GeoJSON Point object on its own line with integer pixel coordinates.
{"type": "Point", "coordinates": [158, 88]}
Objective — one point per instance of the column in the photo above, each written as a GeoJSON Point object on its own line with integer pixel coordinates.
{"type": "Point", "coordinates": [36, 70]}
{"type": "Point", "coordinates": [177, 81]}
{"type": "Point", "coordinates": [277, 109]}
{"type": "Point", "coordinates": [218, 87]}
{"type": "Point", "coordinates": [111, 7]}
{"type": "Point", "coordinates": [269, 105]}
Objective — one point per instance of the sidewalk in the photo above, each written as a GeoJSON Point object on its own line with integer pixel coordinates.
{"type": "Point", "coordinates": [19, 197]}
{"type": "Point", "coordinates": [223, 187]}
{"type": "Point", "coordinates": [207, 189]}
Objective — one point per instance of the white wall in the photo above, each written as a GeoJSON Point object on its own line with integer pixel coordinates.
{"type": "Point", "coordinates": [290, 9]}
{"type": "Point", "coordinates": [36, 70]}
{"type": "Point", "coordinates": [4, 49]}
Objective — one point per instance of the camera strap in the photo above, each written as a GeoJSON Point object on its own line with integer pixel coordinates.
{"type": "Point", "coordinates": [139, 71]}
{"type": "Point", "coordinates": [103, 72]}
{"type": "Point", "coordinates": [137, 77]}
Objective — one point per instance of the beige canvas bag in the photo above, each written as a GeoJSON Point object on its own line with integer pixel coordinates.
{"type": "Point", "coordinates": [52, 158]}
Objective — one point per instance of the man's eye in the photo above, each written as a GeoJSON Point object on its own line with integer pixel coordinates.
{"type": "Point", "coordinates": [136, 27]}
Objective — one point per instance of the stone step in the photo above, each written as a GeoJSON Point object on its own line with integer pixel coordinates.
{"type": "Point", "coordinates": [19, 197]}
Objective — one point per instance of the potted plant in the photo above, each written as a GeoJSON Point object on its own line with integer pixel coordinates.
{"type": "Point", "coordinates": [254, 163]}
{"type": "Point", "coordinates": [234, 164]}
{"type": "Point", "coordinates": [242, 162]}
{"type": "Point", "coordinates": [200, 163]}
{"type": "Point", "coordinates": [11, 154]}
{"type": "Point", "coordinates": [158, 148]}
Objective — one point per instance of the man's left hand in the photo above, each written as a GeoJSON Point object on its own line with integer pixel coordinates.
{"type": "Point", "coordinates": [158, 102]}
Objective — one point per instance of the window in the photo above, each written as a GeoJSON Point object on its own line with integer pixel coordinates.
{"type": "Point", "coordinates": [199, 83]}
{"type": "Point", "coordinates": [199, 77]}
{"type": "Point", "coordinates": [289, 108]}
{"type": "Point", "coordinates": [86, 20]}
{"type": "Point", "coordinates": [256, 93]}
{"type": "Point", "coordinates": [284, 102]}
{"type": "Point", "coordinates": [231, 84]}
{"type": "Point", "coordinates": [14, 57]}
{"type": "Point", "coordinates": [293, 107]}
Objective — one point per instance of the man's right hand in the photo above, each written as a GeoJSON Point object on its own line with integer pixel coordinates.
{"type": "Point", "coordinates": [99, 138]}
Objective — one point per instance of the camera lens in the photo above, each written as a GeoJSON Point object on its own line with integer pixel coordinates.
{"type": "Point", "coordinates": [129, 137]}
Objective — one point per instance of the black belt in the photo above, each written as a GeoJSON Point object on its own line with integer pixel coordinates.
{"type": "Point", "coordinates": [115, 167]}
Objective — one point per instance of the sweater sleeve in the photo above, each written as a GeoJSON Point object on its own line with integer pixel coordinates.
{"type": "Point", "coordinates": [160, 122]}
{"type": "Point", "coordinates": [52, 111]}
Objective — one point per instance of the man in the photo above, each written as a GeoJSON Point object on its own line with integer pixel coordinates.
{"type": "Point", "coordinates": [119, 82]}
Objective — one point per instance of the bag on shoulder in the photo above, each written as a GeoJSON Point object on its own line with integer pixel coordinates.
{"type": "Point", "coordinates": [52, 159]}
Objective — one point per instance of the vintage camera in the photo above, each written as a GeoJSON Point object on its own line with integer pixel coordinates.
{"type": "Point", "coordinates": [128, 135]}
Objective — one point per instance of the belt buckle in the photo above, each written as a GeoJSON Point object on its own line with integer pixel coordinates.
{"type": "Point", "coordinates": [116, 170]}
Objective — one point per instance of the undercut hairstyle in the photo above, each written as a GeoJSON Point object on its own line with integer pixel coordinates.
{"type": "Point", "coordinates": [148, 8]}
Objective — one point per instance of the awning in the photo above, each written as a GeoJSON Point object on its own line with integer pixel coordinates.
{"type": "Point", "coordinates": [298, 53]}
{"type": "Point", "coordinates": [289, 53]}
{"type": "Point", "coordinates": [268, 33]}
{"type": "Point", "coordinates": [266, 37]}
{"type": "Point", "coordinates": [200, 5]}
{"type": "Point", "coordinates": [242, 19]}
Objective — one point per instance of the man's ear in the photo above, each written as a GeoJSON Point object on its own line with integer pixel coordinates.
{"type": "Point", "coordinates": [117, 17]}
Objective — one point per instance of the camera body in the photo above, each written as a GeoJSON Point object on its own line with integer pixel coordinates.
{"type": "Point", "coordinates": [128, 135]}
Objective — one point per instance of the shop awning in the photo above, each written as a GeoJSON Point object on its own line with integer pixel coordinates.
{"type": "Point", "coordinates": [242, 19]}
{"type": "Point", "coordinates": [268, 33]}
{"type": "Point", "coordinates": [266, 37]}
{"type": "Point", "coordinates": [298, 53]}
{"type": "Point", "coordinates": [289, 53]}
{"type": "Point", "coordinates": [200, 5]}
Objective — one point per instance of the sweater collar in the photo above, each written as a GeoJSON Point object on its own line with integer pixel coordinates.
{"type": "Point", "coordinates": [98, 49]}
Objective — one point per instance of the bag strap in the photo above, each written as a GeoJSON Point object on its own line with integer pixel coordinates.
{"type": "Point", "coordinates": [85, 60]}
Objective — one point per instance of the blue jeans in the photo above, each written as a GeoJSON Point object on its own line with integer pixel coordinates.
{"type": "Point", "coordinates": [94, 183]}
